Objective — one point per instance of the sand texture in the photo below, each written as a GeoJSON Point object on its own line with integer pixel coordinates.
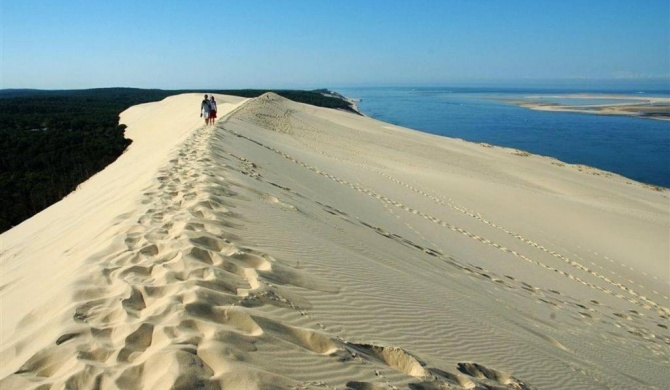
{"type": "Point", "coordinates": [296, 247]}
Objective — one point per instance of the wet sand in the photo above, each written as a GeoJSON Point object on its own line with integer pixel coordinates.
{"type": "Point", "coordinates": [646, 107]}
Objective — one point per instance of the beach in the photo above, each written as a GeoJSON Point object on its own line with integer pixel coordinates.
{"type": "Point", "coordinates": [297, 247]}
{"type": "Point", "coordinates": [639, 106]}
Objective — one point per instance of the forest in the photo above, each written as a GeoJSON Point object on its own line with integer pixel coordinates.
{"type": "Point", "coordinates": [52, 141]}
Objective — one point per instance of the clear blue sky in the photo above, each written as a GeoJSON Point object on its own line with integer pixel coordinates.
{"type": "Point", "coordinates": [329, 43]}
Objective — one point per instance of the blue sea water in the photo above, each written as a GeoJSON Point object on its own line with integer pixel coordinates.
{"type": "Point", "coordinates": [637, 148]}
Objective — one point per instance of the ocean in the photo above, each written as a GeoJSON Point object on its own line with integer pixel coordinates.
{"type": "Point", "coordinates": [637, 148]}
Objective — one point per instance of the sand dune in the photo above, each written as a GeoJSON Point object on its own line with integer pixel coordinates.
{"type": "Point", "coordinates": [295, 247]}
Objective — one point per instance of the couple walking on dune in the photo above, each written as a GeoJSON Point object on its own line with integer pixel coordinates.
{"type": "Point", "coordinates": [208, 110]}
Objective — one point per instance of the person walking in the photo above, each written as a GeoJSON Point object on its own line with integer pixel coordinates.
{"type": "Point", "coordinates": [212, 110]}
{"type": "Point", "coordinates": [205, 109]}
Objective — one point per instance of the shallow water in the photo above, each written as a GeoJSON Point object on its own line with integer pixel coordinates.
{"type": "Point", "coordinates": [637, 148]}
{"type": "Point", "coordinates": [582, 101]}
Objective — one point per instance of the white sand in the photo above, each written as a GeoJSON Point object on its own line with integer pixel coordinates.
{"type": "Point", "coordinates": [645, 106]}
{"type": "Point", "coordinates": [292, 246]}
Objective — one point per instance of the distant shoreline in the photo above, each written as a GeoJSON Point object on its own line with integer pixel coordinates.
{"type": "Point", "coordinates": [648, 107]}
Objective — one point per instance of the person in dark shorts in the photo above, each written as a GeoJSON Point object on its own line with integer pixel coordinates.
{"type": "Point", "coordinates": [212, 110]}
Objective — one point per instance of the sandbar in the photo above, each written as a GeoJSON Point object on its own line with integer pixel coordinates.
{"type": "Point", "coordinates": [644, 107]}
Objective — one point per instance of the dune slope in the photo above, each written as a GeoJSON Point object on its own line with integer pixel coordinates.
{"type": "Point", "coordinates": [291, 246]}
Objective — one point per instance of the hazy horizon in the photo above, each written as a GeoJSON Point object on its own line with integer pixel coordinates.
{"type": "Point", "coordinates": [661, 86]}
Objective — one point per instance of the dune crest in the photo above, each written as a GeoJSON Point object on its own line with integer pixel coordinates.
{"type": "Point", "coordinates": [291, 246]}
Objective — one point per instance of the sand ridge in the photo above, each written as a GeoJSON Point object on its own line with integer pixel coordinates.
{"type": "Point", "coordinates": [297, 247]}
